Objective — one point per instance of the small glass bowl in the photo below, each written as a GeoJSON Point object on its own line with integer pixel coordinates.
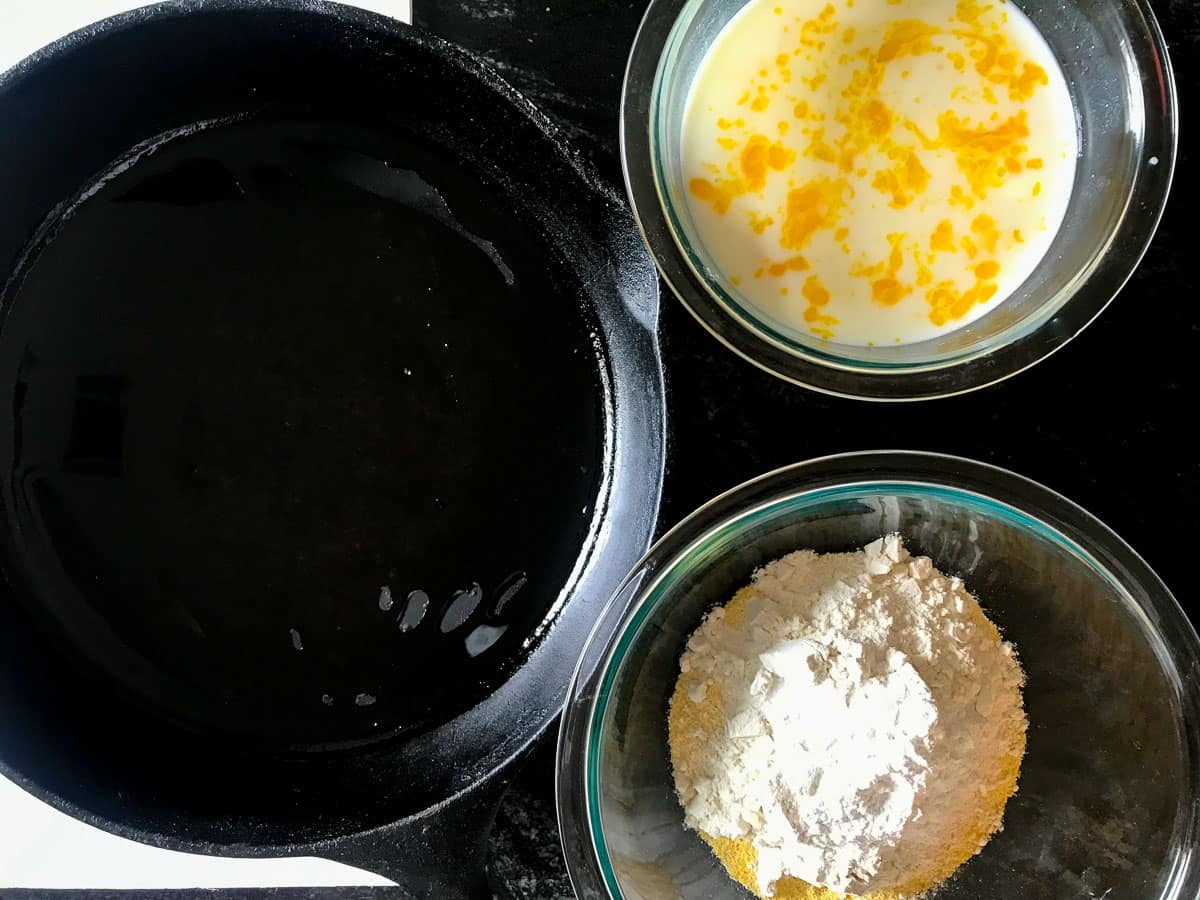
{"type": "Point", "coordinates": [1121, 83]}
{"type": "Point", "coordinates": [1108, 803]}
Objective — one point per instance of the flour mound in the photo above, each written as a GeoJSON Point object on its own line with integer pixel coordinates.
{"type": "Point", "coordinates": [867, 717]}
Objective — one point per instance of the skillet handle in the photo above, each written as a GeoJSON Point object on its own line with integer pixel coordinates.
{"type": "Point", "coordinates": [440, 854]}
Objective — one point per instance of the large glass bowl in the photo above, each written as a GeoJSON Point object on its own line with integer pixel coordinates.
{"type": "Point", "coordinates": [1119, 76]}
{"type": "Point", "coordinates": [1108, 804]}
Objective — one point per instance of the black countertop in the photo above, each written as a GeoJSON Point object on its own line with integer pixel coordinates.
{"type": "Point", "coordinates": [1108, 421]}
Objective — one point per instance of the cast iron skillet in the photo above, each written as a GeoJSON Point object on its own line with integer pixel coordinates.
{"type": "Point", "coordinates": [301, 304]}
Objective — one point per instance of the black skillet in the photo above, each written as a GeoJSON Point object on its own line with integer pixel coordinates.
{"type": "Point", "coordinates": [301, 304]}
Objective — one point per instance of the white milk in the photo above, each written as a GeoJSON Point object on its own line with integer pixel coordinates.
{"type": "Point", "coordinates": [879, 171]}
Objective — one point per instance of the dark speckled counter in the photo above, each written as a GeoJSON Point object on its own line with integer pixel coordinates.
{"type": "Point", "coordinates": [1108, 421]}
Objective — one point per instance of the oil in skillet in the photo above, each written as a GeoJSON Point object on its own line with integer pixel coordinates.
{"type": "Point", "coordinates": [269, 369]}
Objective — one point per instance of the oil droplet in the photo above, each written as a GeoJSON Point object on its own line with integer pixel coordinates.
{"type": "Point", "coordinates": [507, 589]}
{"type": "Point", "coordinates": [414, 611]}
{"type": "Point", "coordinates": [483, 637]}
{"type": "Point", "coordinates": [461, 607]}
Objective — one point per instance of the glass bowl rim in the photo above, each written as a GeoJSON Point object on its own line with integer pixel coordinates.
{"type": "Point", "coordinates": [1041, 334]}
{"type": "Point", "coordinates": [1172, 635]}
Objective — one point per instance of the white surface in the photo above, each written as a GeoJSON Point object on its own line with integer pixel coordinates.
{"type": "Point", "coordinates": [26, 25]}
{"type": "Point", "coordinates": [39, 846]}
{"type": "Point", "coordinates": [42, 848]}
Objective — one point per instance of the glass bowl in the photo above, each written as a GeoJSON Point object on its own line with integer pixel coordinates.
{"type": "Point", "coordinates": [1120, 79]}
{"type": "Point", "coordinates": [1107, 804]}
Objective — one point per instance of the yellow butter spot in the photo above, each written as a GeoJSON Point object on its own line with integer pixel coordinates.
{"type": "Point", "coordinates": [705, 190]}
{"type": "Point", "coordinates": [948, 303]}
{"type": "Point", "coordinates": [794, 264]}
{"type": "Point", "coordinates": [780, 157]}
{"type": "Point", "coordinates": [888, 291]}
{"type": "Point", "coordinates": [896, 257]}
{"type": "Point", "coordinates": [810, 208]}
{"type": "Point", "coordinates": [942, 239]}
{"type": "Point", "coordinates": [969, 11]}
{"type": "Point", "coordinates": [817, 296]}
{"type": "Point", "coordinates": [984, 228]}
{"type": "Point", "coordinates": [976, 147]}
{"type": "Point", "coordinates": [908, 37]}
{"type": "Point", "coordinates": [815, 292]}
{"type": "Point", "coordinates": [1022, 86]}
{"type": "Point", "coordinates": [758, 158]}
{"type": "Point", "coordinates": [818, 148]}
{"type": "Point", "coordinates": [876, 118]}
{"type": "Point", "coordinates": [759, 224]}
{"type": "Point", "coordinates": [903, 181]}
{"type": "Point", "coordinates": [862, 270]}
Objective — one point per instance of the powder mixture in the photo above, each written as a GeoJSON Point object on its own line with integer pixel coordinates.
{"type": "Point", "coordinates": [848, 723]}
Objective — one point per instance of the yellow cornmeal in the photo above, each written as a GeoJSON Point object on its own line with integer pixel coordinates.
{"type": "Point", "coordinates": [690, 724]}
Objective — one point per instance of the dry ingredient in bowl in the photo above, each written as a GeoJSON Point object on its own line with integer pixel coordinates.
{"type": "Point", "coordinates": [848, 723]}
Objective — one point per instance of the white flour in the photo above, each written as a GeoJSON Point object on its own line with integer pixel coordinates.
{"type": "Point", "coordinates": [867, 707]}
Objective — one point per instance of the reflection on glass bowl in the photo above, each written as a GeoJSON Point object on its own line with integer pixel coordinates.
{"type": "Point", "coordinates": [1106, 805]}
{"type": "Point", "coordinates": [1122, 88]}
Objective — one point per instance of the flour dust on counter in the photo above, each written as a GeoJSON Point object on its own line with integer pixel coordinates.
{"type": "Point", "coordinates": [285, 438]}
